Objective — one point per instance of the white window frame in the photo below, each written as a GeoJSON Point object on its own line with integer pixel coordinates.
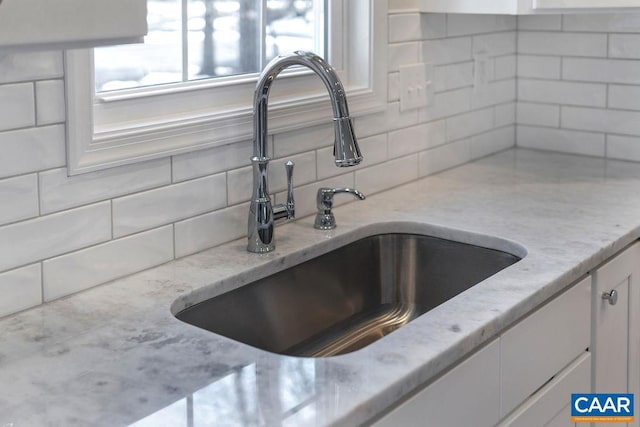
{"type": "Point", "coordinates": [123, 128]}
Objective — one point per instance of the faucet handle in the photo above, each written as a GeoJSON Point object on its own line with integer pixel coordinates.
{"type": "Point", "coordinates": [287, 210]}
{"type": "Point", "coordinates": [325, 220]}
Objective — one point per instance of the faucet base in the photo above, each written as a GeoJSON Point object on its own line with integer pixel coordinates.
{"type": "Point", "coordinates": [260, 249]}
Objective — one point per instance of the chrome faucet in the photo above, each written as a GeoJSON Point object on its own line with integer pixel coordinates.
{"type": "Point", "coordinates": [345, 149]}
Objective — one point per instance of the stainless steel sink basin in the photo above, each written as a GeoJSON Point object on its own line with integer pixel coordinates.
{"type": "Point", "coordinates": [348, 298]}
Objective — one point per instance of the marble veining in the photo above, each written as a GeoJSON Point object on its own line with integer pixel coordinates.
{"type": "Point", "coordinates": [115, 355]}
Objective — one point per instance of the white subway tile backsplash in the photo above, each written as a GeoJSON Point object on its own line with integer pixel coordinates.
{"type": "Point", "coordinates": [50, 106]}
{"type": "Point", "coordinates": [447, 51]}
{"type": "Point", "coordinates": [564, 44]}
{"type": "Point", "coordinates": [212, 229]}
{"type": "Point", "coordinates": [623, 147]}
{"type": "Point", "coordinates": [404, 27]}
{"type": "Point", "coordinates": [387, 175]}
{"type": "Point", "coordinates": [391, 119]}
{"type": "Point", "coordinates": [497, 92]}
{"type": "Point", "coordinates": [17, 106]}
{"type": "Point", "coordinates": [624, 97]}
{"type": "Point", "coordinates": [18, 198]}
{"type": "Point", "coordinates": [624, 46]}
{"type": "Point", "coordinates": [434, 25]}
{"type": "Point", "coordinates": [567, 141]}
{"type": "Point", "coordinates": [444, 157]}
{"type": "Point", "coordinates": [84, 269]}
{"type": "Point", "coordinates": [539, 67]}
{"type": "Point", "coordinates": [602, 22]}
{"type": "Point", "coordinates": [59, 191]}
{"type": "Point", "coordinates": [538, 114]}
{"type": "Point", "coordinates": [416, 138]}
{"type": "Point", "coordinates": [393, 87]}
{"type": "Point", "coordinates": [20, 289]}
{"type": "Point", "coordinates": [397, 6]}
{"type": "Point", "coordinates": [454, 76]}
{"type": "Point", "coordinates": [47, 236]}
{"type": "Point", "coordinates": [505, 114]}
{"type": "Point", "coordinates": [562, 92]}
{"type": "Point", "coordinates": [400, 54]}
{"type": "Point", "coordinates": [496, 44]}
{"type": "Point", "coordinates": [493, 141]}
{"type": "Point", "coordinates": [447, 104]}
{"type": "Point", "coordinates": [469, 124]}
{"type": "Point", "coordinates": [303, 140]}
{"type": "Point", "coordinates": [239, 185]}
{"type": "Point", "coordinates": [582, 73]}
{"type": "Point", "coordinates": [27, 66]}
{"type": "Point", "coordinates": [601, 70]}
{"type": "Point", "coordinates": [374, 149]}
{"type": "Point", "coordinates": [164, 205]}
{"type": "Point", "coordinates": [32, 150]}
{"type": "Point", "coordinates": [464, 24]}
{"type": "Point", "coordinates": [540, 22]}
{"type": "Point", "coordinates": [211, 161]}
{"type": "Point", "coordinates": [601, 120]}
{"type": "Point", "coordinates": [505, 67]}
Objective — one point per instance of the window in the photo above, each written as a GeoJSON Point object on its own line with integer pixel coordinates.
{"type": "Point", "coordinates": [198, 39]}
{"type": "Point", "coordinates": [131, 110]}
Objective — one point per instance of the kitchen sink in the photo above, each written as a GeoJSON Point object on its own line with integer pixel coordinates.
{"type": "Point", "coordinates": [350, 297]}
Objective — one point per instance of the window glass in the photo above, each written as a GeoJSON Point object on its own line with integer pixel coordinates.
{"type": "Point", "coordinates": [196, 39]}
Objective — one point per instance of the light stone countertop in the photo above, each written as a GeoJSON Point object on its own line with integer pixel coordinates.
{"type": "Point", "coordinates": [115, 355]}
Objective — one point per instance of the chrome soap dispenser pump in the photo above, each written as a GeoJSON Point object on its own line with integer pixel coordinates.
{"type": "Point", "coordinates": [346, 151]}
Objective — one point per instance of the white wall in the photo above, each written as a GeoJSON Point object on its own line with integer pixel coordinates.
{"type": "Point", "coordinates": [60, 235]}
{"type": "Point", "coordinates": [579, 84]}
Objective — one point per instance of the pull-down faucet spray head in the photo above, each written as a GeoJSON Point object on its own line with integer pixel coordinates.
{"type": "Point", "coordinates": [345, 148]}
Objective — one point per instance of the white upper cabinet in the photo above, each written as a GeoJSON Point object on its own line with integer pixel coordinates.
{"type": "Point", "coordinates": [525, 7]}
{"type": "Point", "coordinates": [598, 5]}
{"type": "Point", "coordinates": [48, 24]}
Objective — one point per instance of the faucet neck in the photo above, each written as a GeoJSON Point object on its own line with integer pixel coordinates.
{"type": "Point", "coordinates": [310, 60]}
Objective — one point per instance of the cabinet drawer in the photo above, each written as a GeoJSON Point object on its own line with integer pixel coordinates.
{"type": "Point", "coordinates": [544, 343]}
{"type": "Point", "coordinates": [551, 405]}
{"type": "Point", "coordinates": [468, 394]}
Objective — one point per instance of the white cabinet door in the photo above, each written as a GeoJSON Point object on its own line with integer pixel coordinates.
{"type": "Point", "coordinates": [551, 405]}
{"type": "Point", "coordinates": [541, 345]}
{"type": "Point", "coordinates": [616, 348]}
{"type": "Point", "coordinates": [38, 24]}
{"type": "Point", "coordinates": [467, 395]}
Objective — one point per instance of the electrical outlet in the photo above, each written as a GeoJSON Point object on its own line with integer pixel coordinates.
{"type": "Point", "coordinates": [416, 89]}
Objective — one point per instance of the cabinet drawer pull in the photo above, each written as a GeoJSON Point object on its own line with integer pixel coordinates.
{"type": "Point", "coordinates": [611, 296]}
